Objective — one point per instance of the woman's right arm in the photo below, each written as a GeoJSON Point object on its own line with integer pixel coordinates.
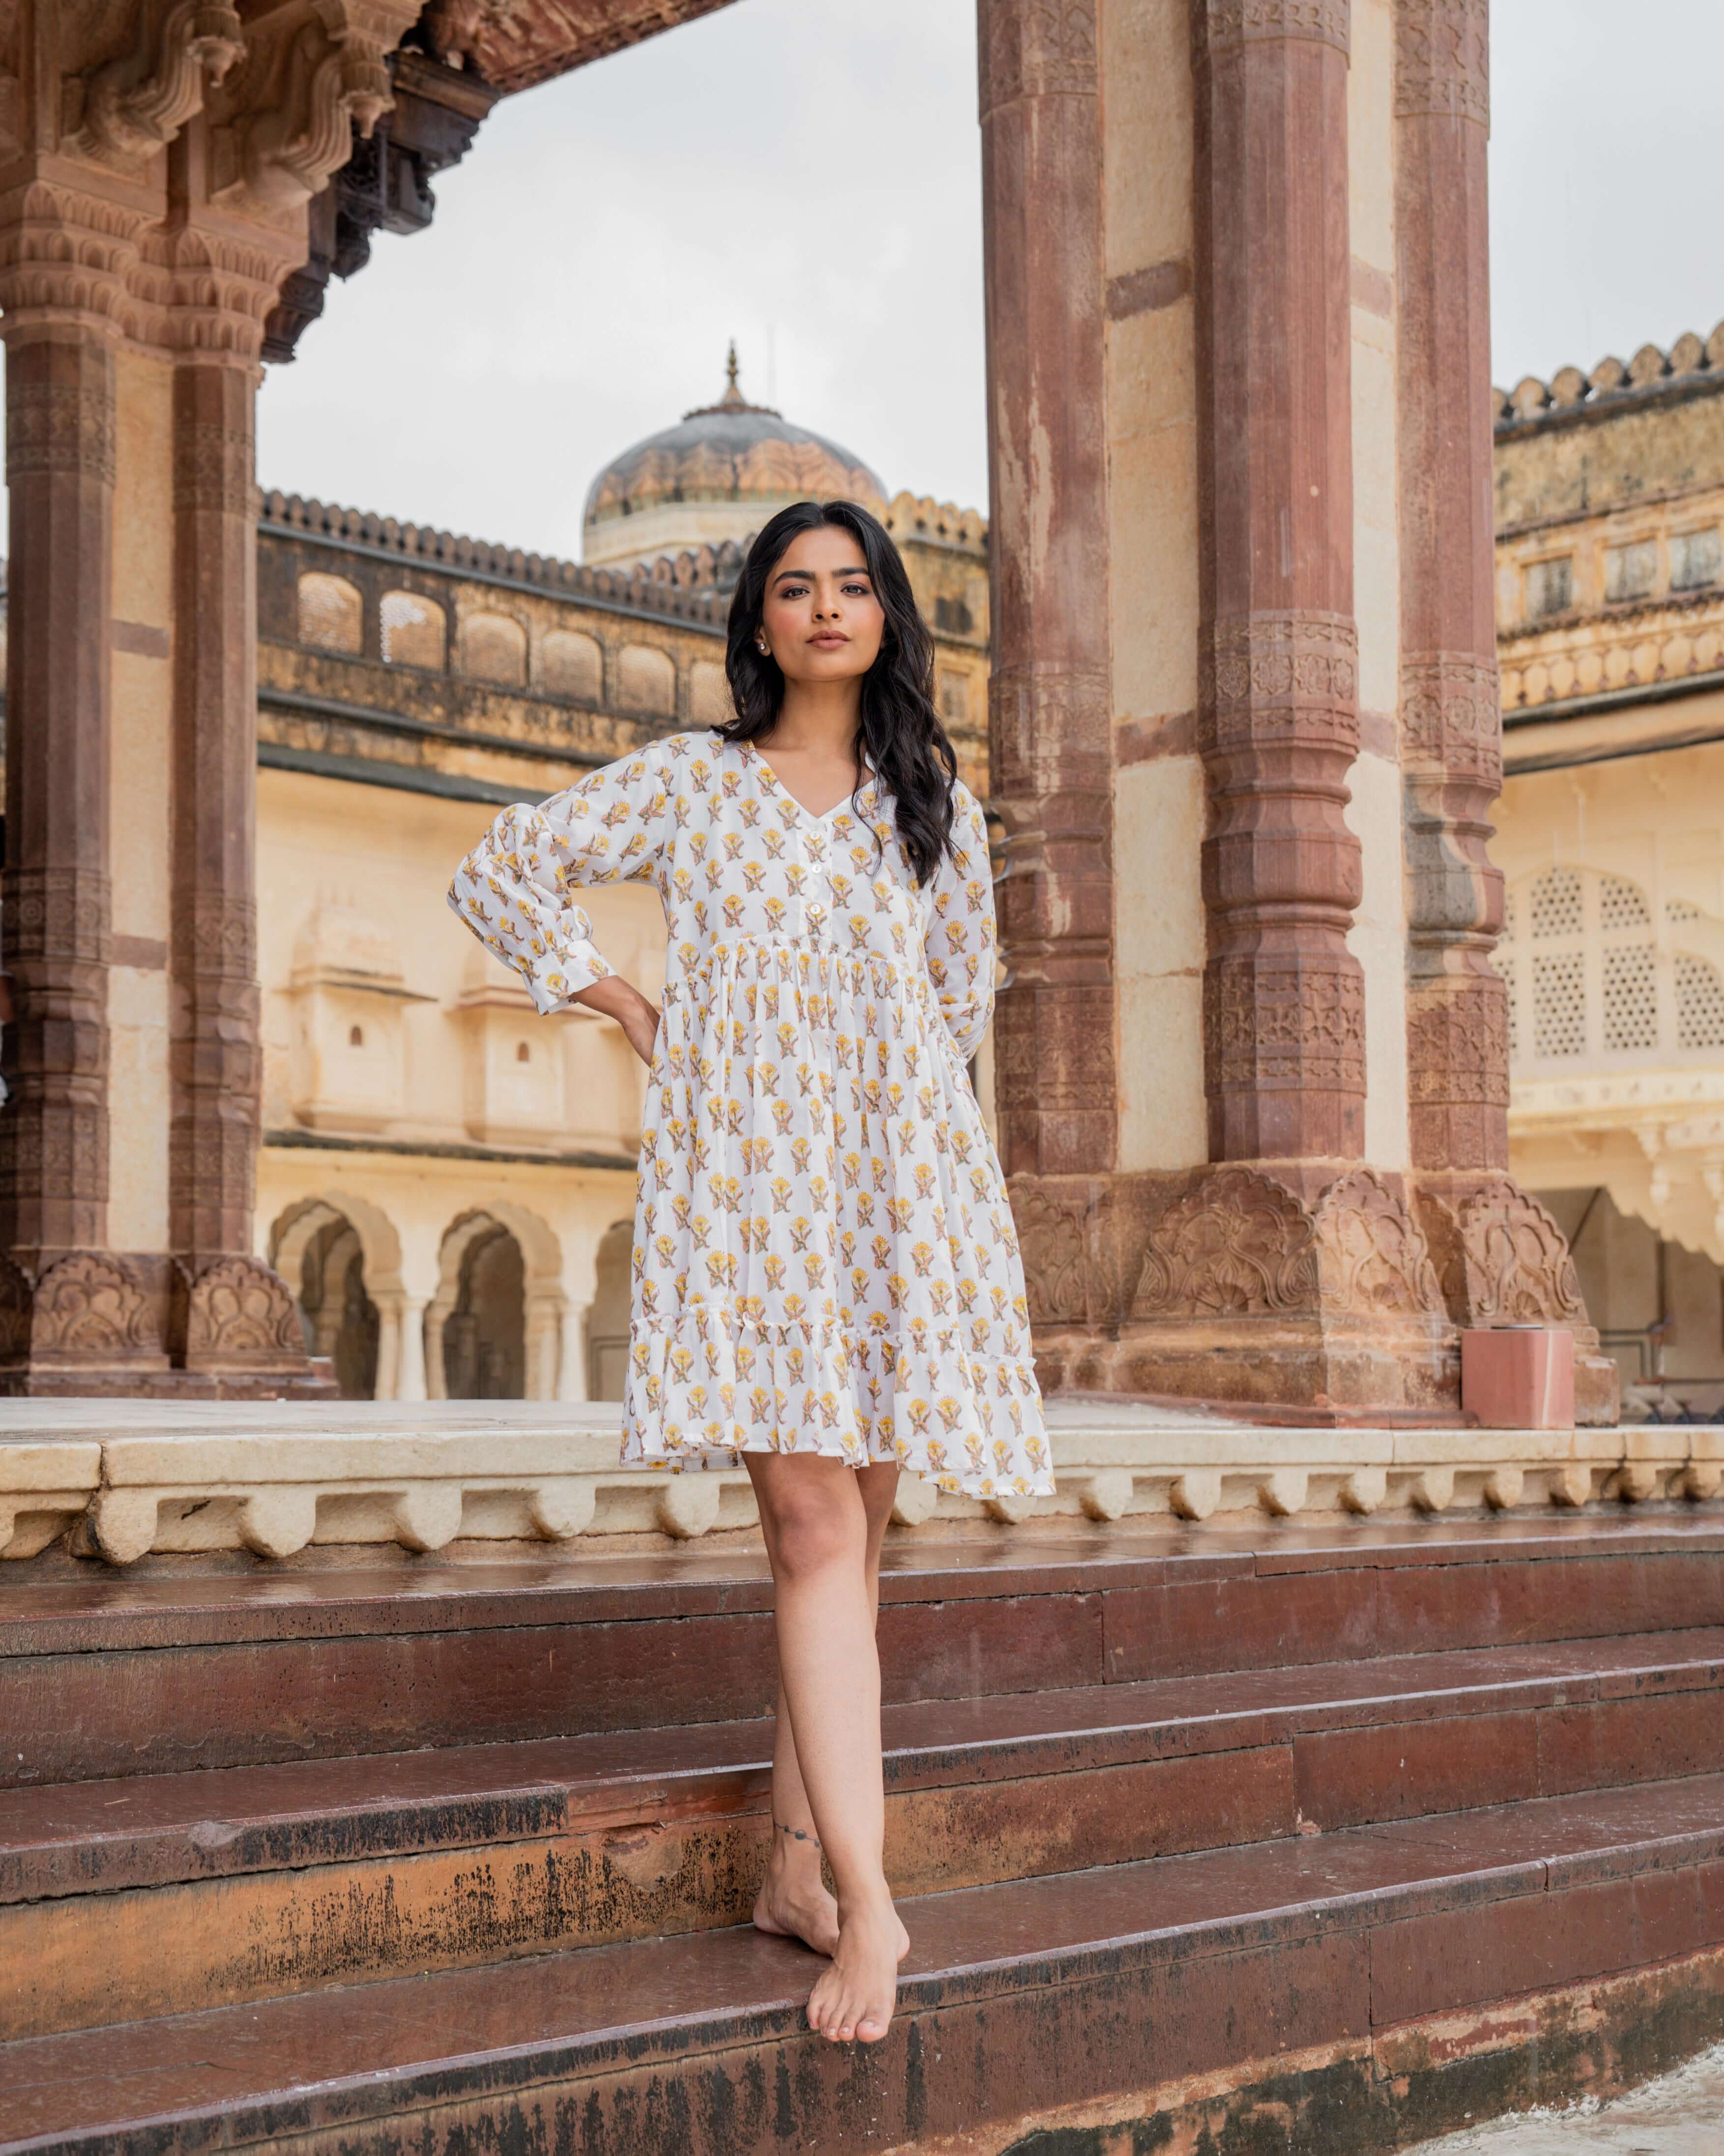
{"type": "Point", "coordinates": [515, 889]}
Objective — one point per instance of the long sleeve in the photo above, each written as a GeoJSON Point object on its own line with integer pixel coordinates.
{"type": "Point", "coordinates": [961, 930]}
{"type": "Point", "coordinates": [513, 889]}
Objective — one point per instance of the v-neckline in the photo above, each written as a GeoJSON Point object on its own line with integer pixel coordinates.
{"type": "Point", "coordinates": [825, 815]}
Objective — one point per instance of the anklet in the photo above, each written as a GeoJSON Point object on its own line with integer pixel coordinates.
{"type": "Point", "coordinates": [795, 1833]}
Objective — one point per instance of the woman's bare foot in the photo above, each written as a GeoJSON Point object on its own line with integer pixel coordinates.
{"type": "Point", "coordinates": [854, 2000]}
{"type": "Point", "coordinates": [792, 1902]}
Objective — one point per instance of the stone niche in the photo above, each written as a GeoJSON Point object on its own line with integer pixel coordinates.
{"type": "Point", "coordinates": [511, 1062]}
{"type": "Point", "coordinates": [347, 1066]}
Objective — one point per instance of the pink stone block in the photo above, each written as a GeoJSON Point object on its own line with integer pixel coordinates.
{"type": "Point", "coordinates": [1518, 1377]}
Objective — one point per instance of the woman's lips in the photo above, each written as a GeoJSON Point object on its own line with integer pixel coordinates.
{"type": "Point", "coordinates": [829, 639]}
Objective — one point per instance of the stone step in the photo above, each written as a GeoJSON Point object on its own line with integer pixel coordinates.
{"type": "Point", "coordinates": [1347, 1989]}
{"type": "Point", "coordinates": [152, 1895]}
{"type": "Point", "coordinates": [104, 1677]}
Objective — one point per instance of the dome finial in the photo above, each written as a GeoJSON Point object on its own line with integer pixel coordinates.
{"type": "Point", "coordinates": [732, 396]}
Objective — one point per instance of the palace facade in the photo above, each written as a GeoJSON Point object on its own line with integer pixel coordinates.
{"type": "Point", "coordinates": [1610, 834]}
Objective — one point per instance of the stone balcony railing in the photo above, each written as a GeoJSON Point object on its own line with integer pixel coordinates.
{"type": "Point", "coordinates": [129, 1479]}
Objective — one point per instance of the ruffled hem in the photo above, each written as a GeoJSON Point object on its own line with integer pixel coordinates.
{"type": "Point", "coordinates": [700, 1395]}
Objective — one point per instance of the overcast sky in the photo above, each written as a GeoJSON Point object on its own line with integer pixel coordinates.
{"type": "Point", "coordinates": [805, 176]}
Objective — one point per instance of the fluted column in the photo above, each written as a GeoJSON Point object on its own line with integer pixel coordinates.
{"type": "Point", "coordinates": [60, 467]}
{"type": "Point", "coordinates": [1500, 1255]}
{"type": "Point", "coordinates": [215, 1064]}
{"type": "Point", "coordinates": [1278, 718]}
{"type": "Point", "coordinates": [1451, 728]}
{"type": "Point", "coordinates": [1052, 766]}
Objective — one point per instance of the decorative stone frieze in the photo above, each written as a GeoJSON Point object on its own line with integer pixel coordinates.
{"type": "Point", "coordinates": [1046, 48]}
{"type": "Point", "coordinates": [276, 1480]}
{"type": "Point", "coordinates": [1222, 26]}
{"type": "Point", "coordinates": [1443, 60]}
{"type": "Point", "coordinates": [514, 44]}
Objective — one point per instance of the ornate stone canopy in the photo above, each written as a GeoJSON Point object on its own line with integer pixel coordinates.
{"type": "Point", "coordinates": [717, 475]}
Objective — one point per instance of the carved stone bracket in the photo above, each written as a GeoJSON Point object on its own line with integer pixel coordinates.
{"type": "Point", "coordinates": [66, 257]}
{"type": "Point", "coordinates": [136, 105]}
{"type": "Point", "coordinates": [283, 120]}
{"type": "Point", "coordinates": [1443, 59]}
{"type": "Point", "coordinates": [385, 185]}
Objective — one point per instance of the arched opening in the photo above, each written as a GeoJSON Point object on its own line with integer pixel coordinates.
{"type": "Point", "coordinates": [340, 1319]}
{"type": "Point", "coordinates": [331, 613]}
{"type": "Point", "coordinates": [484, 1334]}
{"type": "Point", "coordinates": [607, 1317]}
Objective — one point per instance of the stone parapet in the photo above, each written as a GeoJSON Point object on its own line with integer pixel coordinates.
{"type": "Point", "coordinates": [275, 1479]}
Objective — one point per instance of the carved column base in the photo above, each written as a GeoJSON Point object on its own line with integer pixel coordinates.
{"type": "Point", "coordinates": [81, 1324]}
{"type": "Point", "coordinates": [235, 1321]}
{"type": "Point", "coordinates": [1501, 1259]}
{"type": "Point", "coordinates": [1305, 1295]}
{"type": "Point", "coordinates": [94, 1325]}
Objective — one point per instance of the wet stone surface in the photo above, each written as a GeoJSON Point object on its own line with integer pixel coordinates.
{"type": "Point", "coordinates": [1679, 2115]}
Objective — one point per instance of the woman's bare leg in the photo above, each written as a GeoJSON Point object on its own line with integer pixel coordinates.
{"type": "Point", "coordinates": [817, 1535]}
{"type": "Point", "coordinates": [794, 1898]}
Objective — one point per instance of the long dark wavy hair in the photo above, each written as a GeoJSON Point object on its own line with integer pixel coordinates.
{"type": "Point", "coordinates": [902, 742]}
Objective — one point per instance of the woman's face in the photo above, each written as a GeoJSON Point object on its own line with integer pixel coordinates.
{"type": "Point", "coordinates": [820, 618]}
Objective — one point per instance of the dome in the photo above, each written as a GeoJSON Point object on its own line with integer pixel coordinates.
{"type": "Point", "coordinates": [718, 474]}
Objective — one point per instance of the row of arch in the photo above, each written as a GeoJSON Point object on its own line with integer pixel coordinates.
{"type": "Point", "coordinates": [494, 646]}
{"type": "Point", "coordinates": [499, 1325]}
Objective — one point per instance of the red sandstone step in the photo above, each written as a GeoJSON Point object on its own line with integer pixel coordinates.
{"type": "Point", "coordinates": [1558, 1716]}
{"type": "Point", "coordinates": [150, 1896]}
{"type": "Point", "coordinates": [115, 1676]}
{"type": "Point", "coordinates": [1344, 1953]}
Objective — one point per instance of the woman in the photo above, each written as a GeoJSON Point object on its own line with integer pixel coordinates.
{"type": "Point", "coordinates": [826, 1281]}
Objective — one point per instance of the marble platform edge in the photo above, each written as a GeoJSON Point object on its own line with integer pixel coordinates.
{"type": "Point", "coordinates": [132, 1478]}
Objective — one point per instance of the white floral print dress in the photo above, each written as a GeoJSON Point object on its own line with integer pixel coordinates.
{"type": "Point", "coordinates": [824, 1260]}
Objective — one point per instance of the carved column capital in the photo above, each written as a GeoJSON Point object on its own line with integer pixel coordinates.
{"type": "Point", "coordinates": [1219, 27]}
{"type": "Point", "coordinates": [67, 259]}
{"type": "Point", "coordinates": [1443, 60]}
{"type": "Point", "coordinates": [1036, 48]}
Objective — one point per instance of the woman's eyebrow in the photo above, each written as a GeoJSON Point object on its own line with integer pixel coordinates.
{"type": "Point", "coordinates": [807, 576]}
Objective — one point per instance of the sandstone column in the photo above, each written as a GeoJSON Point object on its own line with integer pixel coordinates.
{"type": "Point", "coordinates": [72, 1316]}
{"type": "Point", "coordinates": [234, 1318]}
{"type": "Point", "coordinates": [1052, 768]}
{"type": "Point", "coordinates": [1278, 718]}
{"type": "Point", "coordinates": [1500, 1255]}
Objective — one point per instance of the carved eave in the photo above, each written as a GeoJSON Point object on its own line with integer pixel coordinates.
{"type": "Point", "coordinates": [384, 186]}
{"type": "Point", "coordinates": [515, 44]}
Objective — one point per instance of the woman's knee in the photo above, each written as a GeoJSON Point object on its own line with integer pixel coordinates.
{"type": "Point", "coordinates": [816, 1525]}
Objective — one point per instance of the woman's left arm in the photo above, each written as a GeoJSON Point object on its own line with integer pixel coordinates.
{"type": "Point", "coordinates": [960, 939]}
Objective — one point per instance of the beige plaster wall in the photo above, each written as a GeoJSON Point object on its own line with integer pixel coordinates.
{"type": "Point", "coordinates": [388, 856]}
{"type": "Point", "coordinates": [139, 834]}
{"type": "Point", "coordinates": [1152, 421]}
{"type": "Point", "coordinates": [1378, 939]}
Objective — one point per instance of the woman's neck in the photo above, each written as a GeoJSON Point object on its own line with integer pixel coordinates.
{"type": "Point", "coordinates": [819, 718]}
